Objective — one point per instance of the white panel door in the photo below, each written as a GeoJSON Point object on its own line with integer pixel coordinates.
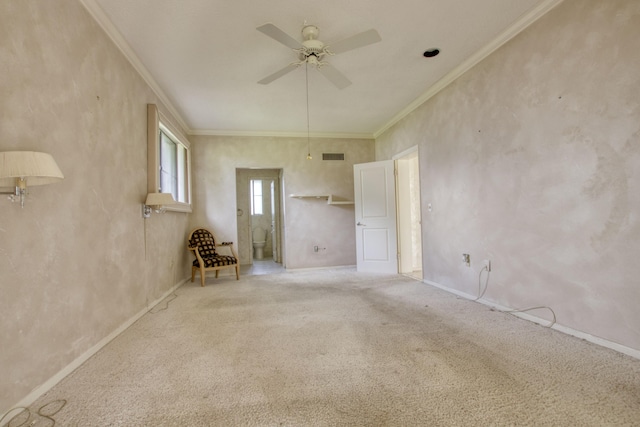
{"type": "Point", "coordinates": [375, 204]}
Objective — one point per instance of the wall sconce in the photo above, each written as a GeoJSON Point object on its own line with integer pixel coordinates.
{"type": "Point", "coordinates": [158, 202]}
{"type": "Point", "coordinates": [22, 168]}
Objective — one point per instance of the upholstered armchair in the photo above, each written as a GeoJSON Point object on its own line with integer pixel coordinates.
{"type": "Point", "coordinates": [208, 257]}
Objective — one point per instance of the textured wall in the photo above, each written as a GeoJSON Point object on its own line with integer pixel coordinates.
{"type": "Point", "coordinates": [532, 159]}
{"type": "Point", "coordinates": [78, 261]}
{"type": "Point", "coordinates": [307, 222]}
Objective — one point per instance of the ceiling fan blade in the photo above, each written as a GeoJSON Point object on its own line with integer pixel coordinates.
{"type": "Point", "coordinates": [289, 68]}
{"type": "Point", "coordinates": [359, 40]}
{"type": "Point", "coordinates": [278, 35]}
{"type": "Point", "coordinates": [334, 76]}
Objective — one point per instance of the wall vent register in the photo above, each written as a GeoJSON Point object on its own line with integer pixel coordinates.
{"type": "Point", "coordinates": [332, 156]}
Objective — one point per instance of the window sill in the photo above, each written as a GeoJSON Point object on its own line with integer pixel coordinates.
{"type": "Point", "coordinates": [179, 207]}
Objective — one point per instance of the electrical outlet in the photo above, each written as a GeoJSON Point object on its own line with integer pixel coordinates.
{"type": "Point", "coordinates": [315, 249]}
{"type": "Point", "coordinates": [466, 258]}
{"type": "Point", "coordinates": [487, 264]}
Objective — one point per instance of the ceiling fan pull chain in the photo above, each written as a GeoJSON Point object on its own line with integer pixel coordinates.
{"type": "Point", "coordinates": [306, 79]}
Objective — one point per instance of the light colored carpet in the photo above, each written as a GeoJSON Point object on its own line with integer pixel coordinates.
{"type": "Point", "coordinates": [338, 348]}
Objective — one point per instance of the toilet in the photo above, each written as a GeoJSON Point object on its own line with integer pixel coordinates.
{"type": "Point", "coordinates": [259, 240]}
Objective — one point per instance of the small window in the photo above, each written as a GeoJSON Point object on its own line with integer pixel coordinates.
{"type": "Point", "coordinates": [173, 166]}
{"type": "Point", "coordinates": [256, 197]}
{"type": "Point", "coordinates": [169, 160]}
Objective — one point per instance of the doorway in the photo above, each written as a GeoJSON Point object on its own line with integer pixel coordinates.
{"type": "Point", "coordinates": [409, 213]}
{"type": "Point", "coordinates": [259, 211]}
{"type": "Point", "coordinates": [388, 215]}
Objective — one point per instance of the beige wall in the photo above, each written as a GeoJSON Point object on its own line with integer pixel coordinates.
{"type": "Point", "coordinates": [532, 159]}
{"type": "Point", "coordinates": [78, 261]}
{"type": "Point", "coordinates": [306, 222]}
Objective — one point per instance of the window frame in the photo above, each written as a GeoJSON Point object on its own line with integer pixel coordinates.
{"type": "Point", "coordinates": [156, 121]}
{"type": "Point", "coordinates": [257, 197]}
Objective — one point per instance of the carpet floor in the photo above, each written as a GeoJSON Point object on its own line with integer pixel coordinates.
{"type": "Point", "coordinates": [340, 348]}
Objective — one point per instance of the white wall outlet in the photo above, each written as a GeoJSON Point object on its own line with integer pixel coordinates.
{"type": "Point", "coordinates": [315, 249]}
{"type": "Point", "coordinates": [487, 264]}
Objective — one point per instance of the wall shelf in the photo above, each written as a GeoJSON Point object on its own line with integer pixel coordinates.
{"type": "Point", "coordinates": [330, 198]}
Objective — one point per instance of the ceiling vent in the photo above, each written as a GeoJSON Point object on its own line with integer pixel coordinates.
{"type": "Point", "coordinates": [332, 156]}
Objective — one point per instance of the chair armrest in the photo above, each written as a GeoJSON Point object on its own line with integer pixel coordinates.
{"type": "Point", "coordinates": [230, 246]}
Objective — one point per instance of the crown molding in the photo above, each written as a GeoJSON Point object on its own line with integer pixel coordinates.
{"type": "Point", "coordinates": [258, 134]}
{"type": "Point", "coordinates": [523, 22]}
{"type": "Point", "coordinates": [105, 23]}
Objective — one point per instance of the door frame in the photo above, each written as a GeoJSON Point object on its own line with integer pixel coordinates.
{"type": "Point", "coordinates": [244, 226]}
{"type": "Point", "coordinates": [409, 221]}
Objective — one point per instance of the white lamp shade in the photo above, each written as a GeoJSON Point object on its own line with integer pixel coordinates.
{"type": "Point", "coordinates": [36, 168]}
{"type": "Point", "coordinates": [159, 199]}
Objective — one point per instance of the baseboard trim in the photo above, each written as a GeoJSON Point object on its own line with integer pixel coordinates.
{"type": "Point", "coordinates": [635, 353]}
{"type": "Point", "coordinates": [51, 382]}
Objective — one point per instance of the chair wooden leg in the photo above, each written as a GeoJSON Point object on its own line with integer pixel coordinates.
{"type": "Point", "coordinates": [193, 274]}
{"type": "Point", "coordinates": [237, 272]}
{"type": "Point", "coordinates": [202, 276]}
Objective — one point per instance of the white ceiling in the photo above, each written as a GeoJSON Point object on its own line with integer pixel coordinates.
{"type": "Point", "coordinates": [205, 57]}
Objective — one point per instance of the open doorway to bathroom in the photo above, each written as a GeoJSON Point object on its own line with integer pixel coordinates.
{"type": "Point", "coordinates": [260, 219]}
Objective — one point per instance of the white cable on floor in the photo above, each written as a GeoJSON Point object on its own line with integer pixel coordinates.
{"type": "Point", "coordinates": [43, 412]}
{"type": "Point", "coordinates": [553, 322]}
{"type": "Point", "coordinates": [486, 284]}
{"type": "Point", "coordinates": [481, 293]}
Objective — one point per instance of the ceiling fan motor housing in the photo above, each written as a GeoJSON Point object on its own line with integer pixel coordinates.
{"type": "Point", "coordinates": [312, 48]}
{"type": "Point", "coordinates": [310, 32]}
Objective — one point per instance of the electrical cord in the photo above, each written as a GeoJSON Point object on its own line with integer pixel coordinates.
{"type": "Point", "coordinates": [152, 310]}
{"type": "Point", "coordinates": [23, 409]}
{"type": "Point", "coordinates": [553, 322]}
{"type": "Point", "coordinates": [481, 293]}
{"type": "Point", "coordinates": [47, 411]}
{"type": "Point", "coordinates": [486, 284]}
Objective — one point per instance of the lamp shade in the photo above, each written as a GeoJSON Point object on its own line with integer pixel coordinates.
{"type": "Point", "coordinates": [34, 167]}
{"type": "Point", "coordinates": [159, 199]}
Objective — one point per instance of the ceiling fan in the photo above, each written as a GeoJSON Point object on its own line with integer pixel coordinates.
{"type": "Point", "coordinates": [312, 51]}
